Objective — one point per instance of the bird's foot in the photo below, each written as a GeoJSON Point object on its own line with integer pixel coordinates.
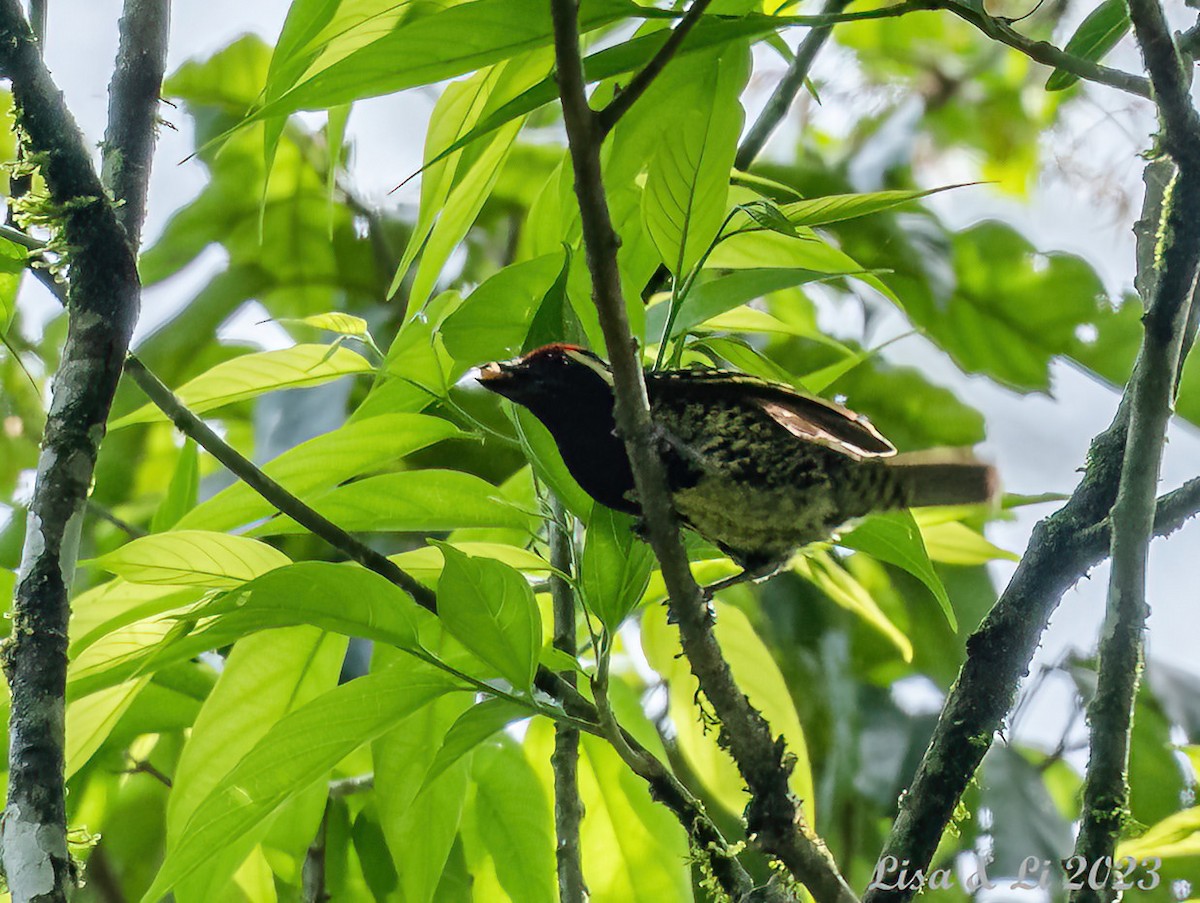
{"type": "Point", "coordinates": [747, 575]}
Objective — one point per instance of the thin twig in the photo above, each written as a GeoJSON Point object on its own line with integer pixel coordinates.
{"type": "Point", "coordinates": [629, 95]}
{"type": "Point", "coordinates": [775, 819]}
{"type": "Point", "coordinates": [360, 783]}
{"type": "Point", "coordinates": [103, 305]}
{"type": "Point", "coordinates": [787, 89]}
{"type": "Point", "coordinates": [97, 510]}
{"type": "Point", "coordinates": [1044, 52]}
{"type": "Point", "coordinates": [245, 470]}
{"type": "Point", "coordinates": [568, 807]}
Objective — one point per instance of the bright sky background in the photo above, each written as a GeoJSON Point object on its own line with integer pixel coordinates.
{"type": "Point", "coordinates": [1037, 441]}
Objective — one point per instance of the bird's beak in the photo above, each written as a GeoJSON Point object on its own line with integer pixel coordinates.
{"type": "Point", "coordinates": [497, 374]}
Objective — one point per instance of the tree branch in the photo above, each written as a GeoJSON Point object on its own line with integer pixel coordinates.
{"type": "Point", "coordinates": [1151, 392]}
{"type": "Point", "coordinates": [785, 92]}
{"type": "Point", "coordinates": [1044, 52]}
{"type": "Point", "coordinates": [775, 819]}
{"type": "Point", "coordinates": [568, 808]}
{"type": "Point", "coordinates": [103, 299]}
{"type": "Point", "coordinates": [133, 97]}
{"type": "Point", "coordinates": [619, 105]}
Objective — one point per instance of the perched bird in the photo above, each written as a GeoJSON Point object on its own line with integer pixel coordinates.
{"type": "Point", "coordinates": [755, 467]}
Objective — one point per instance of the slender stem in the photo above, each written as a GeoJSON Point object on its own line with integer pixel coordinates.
{"type": "Point", "coordinates": [775, 819]}
{"type": "Point", "coordinates": [568, 807]}
{"type": "Point", "coordinates": [619, 105]}
{"type": "Point", "coordinates": [787, 89]}
{"type": "Point", "coordinates": [245, 470]}
{"type": "Point", "coordinates": [313, 872]}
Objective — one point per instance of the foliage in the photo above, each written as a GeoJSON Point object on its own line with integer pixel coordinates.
{"type": "Point", "coordinates": [211, 646]}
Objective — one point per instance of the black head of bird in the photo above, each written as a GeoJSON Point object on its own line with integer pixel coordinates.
{"type": "Point", "coordinates": [755, 467]}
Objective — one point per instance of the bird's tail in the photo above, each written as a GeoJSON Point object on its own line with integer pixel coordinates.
{"type": "Point", "coordinates": [941, 479]}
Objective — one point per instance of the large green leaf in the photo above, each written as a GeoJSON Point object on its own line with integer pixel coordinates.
{"type": "Point", "coordinates": [409, 502]}
{"type": "Point", "coordinates": [615, 567]}
{"type": "Point", "coordinates": [193, 558]}
{"type": "Point", "coordinates": [715, 297]}
{"type": "Point", "coordinates": [322, 463]}
{"type": "Point", "coordinates": [494, 319]}
{"type": "Point", "coordinates": [474, 726]}
{"type": "Point", "coordinates": [419, 820]}
{"type": "Point", "coordinates": [515, 821]}
{"type": "Point", "coordinates": [687, 186]}
{"type": "Point", "coordinates": [1012, 309]}
{"type": "Point", "coordinates": [421, 50]}
{"type": "Point", "coordinates": [296, 751]}
{"type": "Point", "coordinates": [265, 677]}
{"type": "Point", "coordinates": [251, 375]}
{"type": "Point", "coordinates": [894, 537]}
{"type": "Point", "coordinates": [490, 608]}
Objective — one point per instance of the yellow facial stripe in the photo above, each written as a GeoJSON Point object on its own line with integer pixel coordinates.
{"type": "Point", "coordinates": [592, 364]}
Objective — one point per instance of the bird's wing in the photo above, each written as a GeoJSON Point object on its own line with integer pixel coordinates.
{"type": "Point", "coordinates": [806, 417]}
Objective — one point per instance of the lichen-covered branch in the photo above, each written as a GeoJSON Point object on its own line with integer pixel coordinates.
{"type": "Point", "coordinates": [775, 820]}
{"type": "Point", "coordinates": [103, 297]}
{"type": "Point", "coordinates": [1151, 393]}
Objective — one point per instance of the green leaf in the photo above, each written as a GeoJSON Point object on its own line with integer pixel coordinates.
{"type": "Point", "coordinates": [296, 751]}
{"type": "Point", "coordinates": [414, 501]}
{"type": "Point", "coordinates": [322, 463]}
{"type": "Point", "coordinates": [715, 297]}
{"type": "Point", "coordinates": [1174, 836]}
{"type": "Point", "coordinates": [687, 186]}
{"type": "Point", "coordinates": [91, 720]}
{"type": "Point", "coordinates": [266, 677]}
{"type": "Point", "coordinates": [956, 543]}
{"type": "Point", "coordinates": [367, 60]}
{"type": "Point", "coordinates": [842, 588]}
{"type": "Point", "coordinates": [13, 260]}
{"type": "Point", "coordinates": [419, 822]}
{"type": "Point", "coordinates": [836, 208]}
{"type": "Point", "coordinates": [474, 726]}
{"type": "Point", "coordinates": [425, 563]}
{"type": "Point", "coordinates": [494, 320]}
{"type": "Point", "coordinates": [192, 558]}
{"type": "Point", "coordinates": [182, 491]}
{"type": "Point", "coordinates": [344, 598]}
{"type": "Point", "coordinates": [555, 319]}
{"type": "Point", "coordinates": [490, 609]}
{"type": "Point", "coordinates": [251, 375]}
{"type": "Point", "coordinates": [768, 215]}
{"type": "Point", "coordinates": [1012, 309]}
{"type": "Point", "coordinates": [515, 821]}
{"type": "Point", "coordinates": [894, 537]}
{"type": "Point", "coordinates": [334, 321]}
{"type": "Point", "coordinates": [615, 568]}
{"type": "Point", "coordinates": [1096, 35]}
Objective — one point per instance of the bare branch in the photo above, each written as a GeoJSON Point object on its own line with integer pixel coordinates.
{"type": "Point", "coordinates": [785, 92]}
{"type": "Point", "coordinates": [775, 819]}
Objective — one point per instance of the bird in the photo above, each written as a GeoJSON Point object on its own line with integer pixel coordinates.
{"type": "Point", "coordinates": [757, 468]}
